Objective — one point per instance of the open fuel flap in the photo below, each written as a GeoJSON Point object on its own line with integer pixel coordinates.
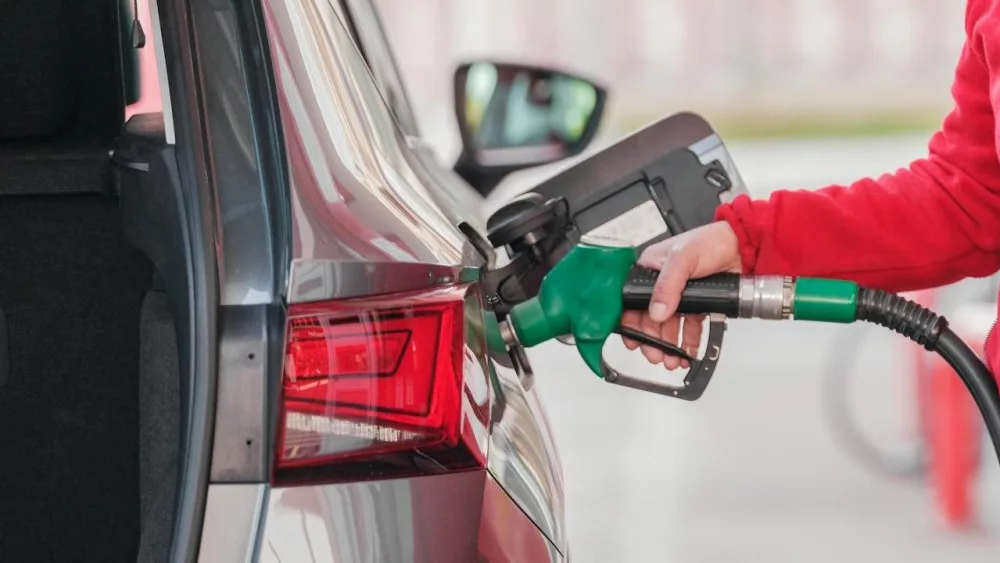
{"type": "Point", "coordinates": [656, 183]}
{"type": "Point", "coordinates": [662, 180]}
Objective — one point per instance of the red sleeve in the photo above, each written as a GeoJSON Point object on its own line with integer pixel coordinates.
{"type": "Point", "coordinates": [930, 224]}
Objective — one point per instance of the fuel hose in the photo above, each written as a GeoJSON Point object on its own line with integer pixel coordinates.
{"type": "Point", "coordinates": [831, 301]}
{"type": "Point", "coordinates": [571, 301]}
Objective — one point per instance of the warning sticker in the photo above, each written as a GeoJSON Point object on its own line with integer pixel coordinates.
{"type": "Point", "coordinates": [635, 226]}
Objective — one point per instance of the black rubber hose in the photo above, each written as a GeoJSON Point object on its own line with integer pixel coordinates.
{"type": "Point", "coordinates": [901, 315]}
{"type": "Point", "coordinates": [931, 331]}
{"type": "Point", "coordinates": [977, 379]}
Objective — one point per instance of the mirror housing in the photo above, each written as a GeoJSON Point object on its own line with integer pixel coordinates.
{"type": "Point", "coordinates": [513, 116]}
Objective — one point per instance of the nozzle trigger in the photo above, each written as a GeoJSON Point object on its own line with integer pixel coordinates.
{"type": "Point", "coordinates": [696, 379]}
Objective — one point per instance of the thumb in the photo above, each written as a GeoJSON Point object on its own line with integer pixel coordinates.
{"type": "Point", "coordinates": [674, 274]}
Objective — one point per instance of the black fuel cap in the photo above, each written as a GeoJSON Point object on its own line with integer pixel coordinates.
{"type": "Point", "coordinates": [525, 214]}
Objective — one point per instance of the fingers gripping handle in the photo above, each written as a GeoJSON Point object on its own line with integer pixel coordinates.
{"type": "Point", "coordinates": [696, 379]}
{"type": "Point", "coordinates": [718, 296]}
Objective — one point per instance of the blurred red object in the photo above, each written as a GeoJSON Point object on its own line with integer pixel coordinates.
{"type": "Point", "coordinates": [952, 427]}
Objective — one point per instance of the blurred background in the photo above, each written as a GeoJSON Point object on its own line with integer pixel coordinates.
{"type": "Point", "coordinates": [807, 446]}
{"type": "Point", "coordinates": [754, 67]}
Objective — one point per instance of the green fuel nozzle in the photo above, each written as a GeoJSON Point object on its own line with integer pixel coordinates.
{"type": "Point", "coordinates": [581, 296]}
{"type": "Point", "coordinates": [585, 293]}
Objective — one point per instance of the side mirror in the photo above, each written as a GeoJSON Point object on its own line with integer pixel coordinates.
{"type": "Point", "coordinates": [513, 117]}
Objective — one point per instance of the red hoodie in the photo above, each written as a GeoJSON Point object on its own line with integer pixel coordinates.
{"type": "Point", "coordinates": [933, 223]}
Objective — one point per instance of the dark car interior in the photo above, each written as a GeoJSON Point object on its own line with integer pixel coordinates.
{"type": "Point", "coordinates": [89, 373]}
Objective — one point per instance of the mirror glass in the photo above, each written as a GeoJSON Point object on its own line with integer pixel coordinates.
{"type": "Point", "coordinates": [513, 107]}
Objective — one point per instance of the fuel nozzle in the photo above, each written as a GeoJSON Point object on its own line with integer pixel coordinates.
{"type": "Point", "coordinates": [585, 293]}
{"type": "Point", "coordinates": [581, 296]}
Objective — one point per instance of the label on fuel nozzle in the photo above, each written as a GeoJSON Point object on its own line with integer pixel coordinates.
{"type": "Point", "coordinates": [636, 226]}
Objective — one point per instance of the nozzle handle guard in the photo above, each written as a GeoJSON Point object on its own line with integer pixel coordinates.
{"type": "Point", "coordinates": [695, 381]}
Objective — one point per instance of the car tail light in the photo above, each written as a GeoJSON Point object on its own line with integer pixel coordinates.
{"type": "Point", "coordinates": [376, 388]}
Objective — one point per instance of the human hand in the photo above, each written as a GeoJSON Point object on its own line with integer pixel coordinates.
{"type": "Point", "coordinates": [697, 253]}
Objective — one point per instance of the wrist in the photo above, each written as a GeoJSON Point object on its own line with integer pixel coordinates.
{"type": "Point", "coordinates": [731, 242]}
{"type": "Point", "coordinates": [732, 215]}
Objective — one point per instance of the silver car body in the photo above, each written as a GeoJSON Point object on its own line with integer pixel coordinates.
{"type": "Point", "coordinates": [322, 188]}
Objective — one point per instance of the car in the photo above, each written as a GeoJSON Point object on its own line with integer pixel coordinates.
{"type": "Point", "coordinates": [240, 315]}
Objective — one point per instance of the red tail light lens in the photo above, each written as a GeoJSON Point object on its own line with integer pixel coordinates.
{"type": "Point", "coordinates": [376, 388]}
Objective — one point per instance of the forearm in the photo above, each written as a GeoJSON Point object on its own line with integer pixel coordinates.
{"type": "Point", "coordinates": [903, 231]}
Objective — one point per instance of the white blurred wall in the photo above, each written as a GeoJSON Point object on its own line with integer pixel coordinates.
{"type": "Point", "coordinates": [664, 55]}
